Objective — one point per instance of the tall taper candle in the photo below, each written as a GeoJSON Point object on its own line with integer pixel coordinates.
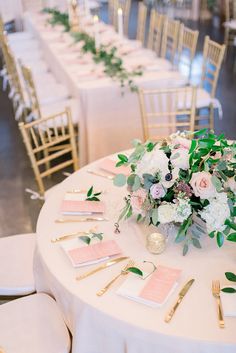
{"type": "Point", "coordinates": [120, 22]}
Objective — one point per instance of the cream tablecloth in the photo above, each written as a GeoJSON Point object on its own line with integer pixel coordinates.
{"type": "Point", "coordinates": [108, 120]}
{"type": "Point", "coordinates": [113, 324]}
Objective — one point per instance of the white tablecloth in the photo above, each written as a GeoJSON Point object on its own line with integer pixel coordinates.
{"type": "Point", "coordinates": [112, 323]}
{"type": "Point", "coordinates": [108, 119]}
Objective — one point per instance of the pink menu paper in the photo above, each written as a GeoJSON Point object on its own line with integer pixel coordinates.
{"type": "Point", "coordinates": [94, 252]}
{"type": "Point", "coordinates": [160, 285]}
{"type": "Point", "coordinates": [80, 207]}
{"type": "Point", "coordinates": [110, 166]}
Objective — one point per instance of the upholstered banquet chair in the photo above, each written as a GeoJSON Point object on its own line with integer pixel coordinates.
{"type": "Point", "coordinates": [155, 31]}
{"type": "Point", "coordinates": [213, 54]}
{"type": "Point", "coordinates": [187, 46]}
{"type": "Point", "coordinates": [50, 144]}
{"type": "Point", "coordinates": [165, 111]}
{"type": "Point", "coordinates": [16, 266]}
{"type": "Point", "coordinates": [169, 41]}
{"type": "Point", "coordinates": [141, 22]}
{"type": "Point", "coordinates": [33, 324]}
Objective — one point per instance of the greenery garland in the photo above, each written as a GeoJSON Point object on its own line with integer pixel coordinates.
{"type": "Point", "coordinates": [113, 64]}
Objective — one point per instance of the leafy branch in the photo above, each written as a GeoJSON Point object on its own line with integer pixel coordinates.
{"type": "Point", "coordinates": [113, 65]}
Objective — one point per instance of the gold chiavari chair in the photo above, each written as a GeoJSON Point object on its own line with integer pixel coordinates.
{"type": "Point", "coordinates": [187, 46]}
{"type": "Point", "coordinates": [47, 140]}
{"type": "Point", "coordinates": [125, 5]}
{"type": "Point", "coordinates": [230, 14]}
{"type": "Point", "coordinates": [155, 31]}
{"type": "Point", "coordinates": [170, 39]}
{"type": "Point", "coordinates": [141, 22]}
{"type": "Point", "coordinates": [165, 111]}
{"type": "Point", "coordinates": [213, 54]}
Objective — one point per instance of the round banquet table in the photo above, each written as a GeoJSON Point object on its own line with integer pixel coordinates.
{"type": "Point", "coordinates": [114, 324]}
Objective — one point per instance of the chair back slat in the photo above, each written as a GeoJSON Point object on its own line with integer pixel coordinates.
{"type": "Point", "coordinates": [170, 39]}
{"type": "Point", "coordinates": [141, 22]}
{"type": "Point", "coordinates": [164, 111]}
{"type": "Point", "coordinates": [213, 54]}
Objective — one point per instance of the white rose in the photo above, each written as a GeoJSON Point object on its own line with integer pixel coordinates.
{"type": "Point", "coordinates": [152, 163]}
{"type": "Point", "coordinates": [180, 158]}
{"type": "Point", "coordinates": [166, 213]}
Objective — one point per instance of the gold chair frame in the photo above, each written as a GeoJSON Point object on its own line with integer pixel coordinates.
{"type": "Point", "coordinates": [141, 22]}
{"type": "Point", "coordinates": [155, 31]}
{"type": "Point", "coordinates": [168, 104]}
{"type": "Point", "coordinates": [187, 43]}
{"type": "Point", "coordinates": [170, 38]}
{"type": "Point", "coordinates": [42, 138]}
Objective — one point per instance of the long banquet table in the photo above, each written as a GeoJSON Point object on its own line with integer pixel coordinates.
{"type": "Point", "coordinates": [112, 323]}
{"type": "Point", "coordinates": [108, 120]}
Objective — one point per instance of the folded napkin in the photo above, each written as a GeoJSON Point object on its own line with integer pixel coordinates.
{"type": "Point", "coordinates": [229, 302]}
{"type": "Point", "coordinates": [109, 165]}
{"type": "Point", "coordinates": [90, 254]}
{"type": "Point", "coordinates": [154, 291]}
{"type": "Point", "coordinates": [74, 207]}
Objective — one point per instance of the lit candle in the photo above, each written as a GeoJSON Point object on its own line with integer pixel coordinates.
{"type": "Point", "coordinates": [96, 34]}
{"type": "Point", "coordinates": [120, 22]}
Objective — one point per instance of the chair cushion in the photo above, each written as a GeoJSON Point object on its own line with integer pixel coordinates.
{"type": "Point", "coordinates": [16, 265]}
{"type": "Point", "coordinates": [33, 324]}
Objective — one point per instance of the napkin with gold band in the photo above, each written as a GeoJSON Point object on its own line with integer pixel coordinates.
{"type": "Point", "coordinates": [153, 291]}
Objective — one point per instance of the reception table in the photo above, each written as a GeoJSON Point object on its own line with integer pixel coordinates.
{"type": "Point", "coordinates": [104, 110]}
{"type": "Point", "coordinates": [112, 323]}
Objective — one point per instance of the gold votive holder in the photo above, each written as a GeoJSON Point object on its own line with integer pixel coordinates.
{"type": "Point", "coordinates": [156, 243]}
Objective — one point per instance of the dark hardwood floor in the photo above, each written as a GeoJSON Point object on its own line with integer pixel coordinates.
{"type": "Point", "coordinates": [18, 213]}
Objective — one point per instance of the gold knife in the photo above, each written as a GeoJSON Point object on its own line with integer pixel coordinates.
{"type": "Point", "coordinates": [82, 219]}
{"type": "Point", "coordinates": [102, 267]}
{"type": "Point", "coordinates": [181, 295]}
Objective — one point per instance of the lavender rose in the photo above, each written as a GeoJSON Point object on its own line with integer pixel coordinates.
{"type": "Point", "coordinates": [157, 191]}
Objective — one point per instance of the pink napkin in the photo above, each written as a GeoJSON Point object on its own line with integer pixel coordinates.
{"type": "Point", "coordinates": [160, 284]}
{"type": "Point", "coordinates": [110, 166]}
{"type": "Point", "coordinates": [80, 207]}
{"type": "Point", "coordinates": [94, 252]}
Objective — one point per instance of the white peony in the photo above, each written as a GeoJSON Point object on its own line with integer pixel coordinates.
{"type": "Point", "coordinates": [182, 210]}
{"type": "Point", "coordinates": [166, 213]}
{"type": "Point", "coordinates": [180, 158]}
{"type": "Point", "coordinates": [152, 163]}
{"type": "Point", "coordinates": [216, 213]}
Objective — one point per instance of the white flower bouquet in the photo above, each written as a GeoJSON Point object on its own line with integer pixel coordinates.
{"type": "Point", "coordinates": [174, 181]}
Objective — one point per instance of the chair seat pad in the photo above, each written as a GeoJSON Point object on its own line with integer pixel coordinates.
{"type": "Point", "coordinates": [33, 324]}
{"type": "Point", "coordinates": [19, 36]}
{"type": "Point", "coordinates": [16, 270]}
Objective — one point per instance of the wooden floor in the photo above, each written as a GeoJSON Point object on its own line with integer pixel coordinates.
{"type": "Point", "coordinates": [18, 213]}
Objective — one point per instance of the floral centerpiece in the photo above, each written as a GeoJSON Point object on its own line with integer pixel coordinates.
{"type": "Point", "coordinates": [183, 179]}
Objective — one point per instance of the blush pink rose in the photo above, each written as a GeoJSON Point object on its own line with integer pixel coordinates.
{"type": "Point", "coordinates": [182, 142]}
{"type": "Point", "coordinates": [202, 185]}
{"type": "Point", "coordinates": [137, 199]}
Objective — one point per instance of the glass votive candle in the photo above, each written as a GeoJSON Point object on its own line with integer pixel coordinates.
{"type": "Point", "coordinates": [156, 243]}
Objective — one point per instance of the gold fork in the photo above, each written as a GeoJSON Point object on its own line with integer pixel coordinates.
{"type": "Point", "coordinates": [122, 273]}
{"type": "Point", "coordinates": [216, 294]}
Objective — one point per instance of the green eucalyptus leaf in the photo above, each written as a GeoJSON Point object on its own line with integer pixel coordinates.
{"type": "Point", "coordinates": [232, 237]}
{"type": "Point", "coordinates": [230, 276]}
{"type": "Point", "coordinates": [135, 270]}
{"type": "Point", "coordinates": [85, 239]}
{"type": "Point", "coordinates": [119, 180]}
{"type": "Point", "coordinates": [228, 290]}
{"type": "Point", "coordinates": [216, 182]}
{"type": "Point", "coordinates": [220, 239]}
